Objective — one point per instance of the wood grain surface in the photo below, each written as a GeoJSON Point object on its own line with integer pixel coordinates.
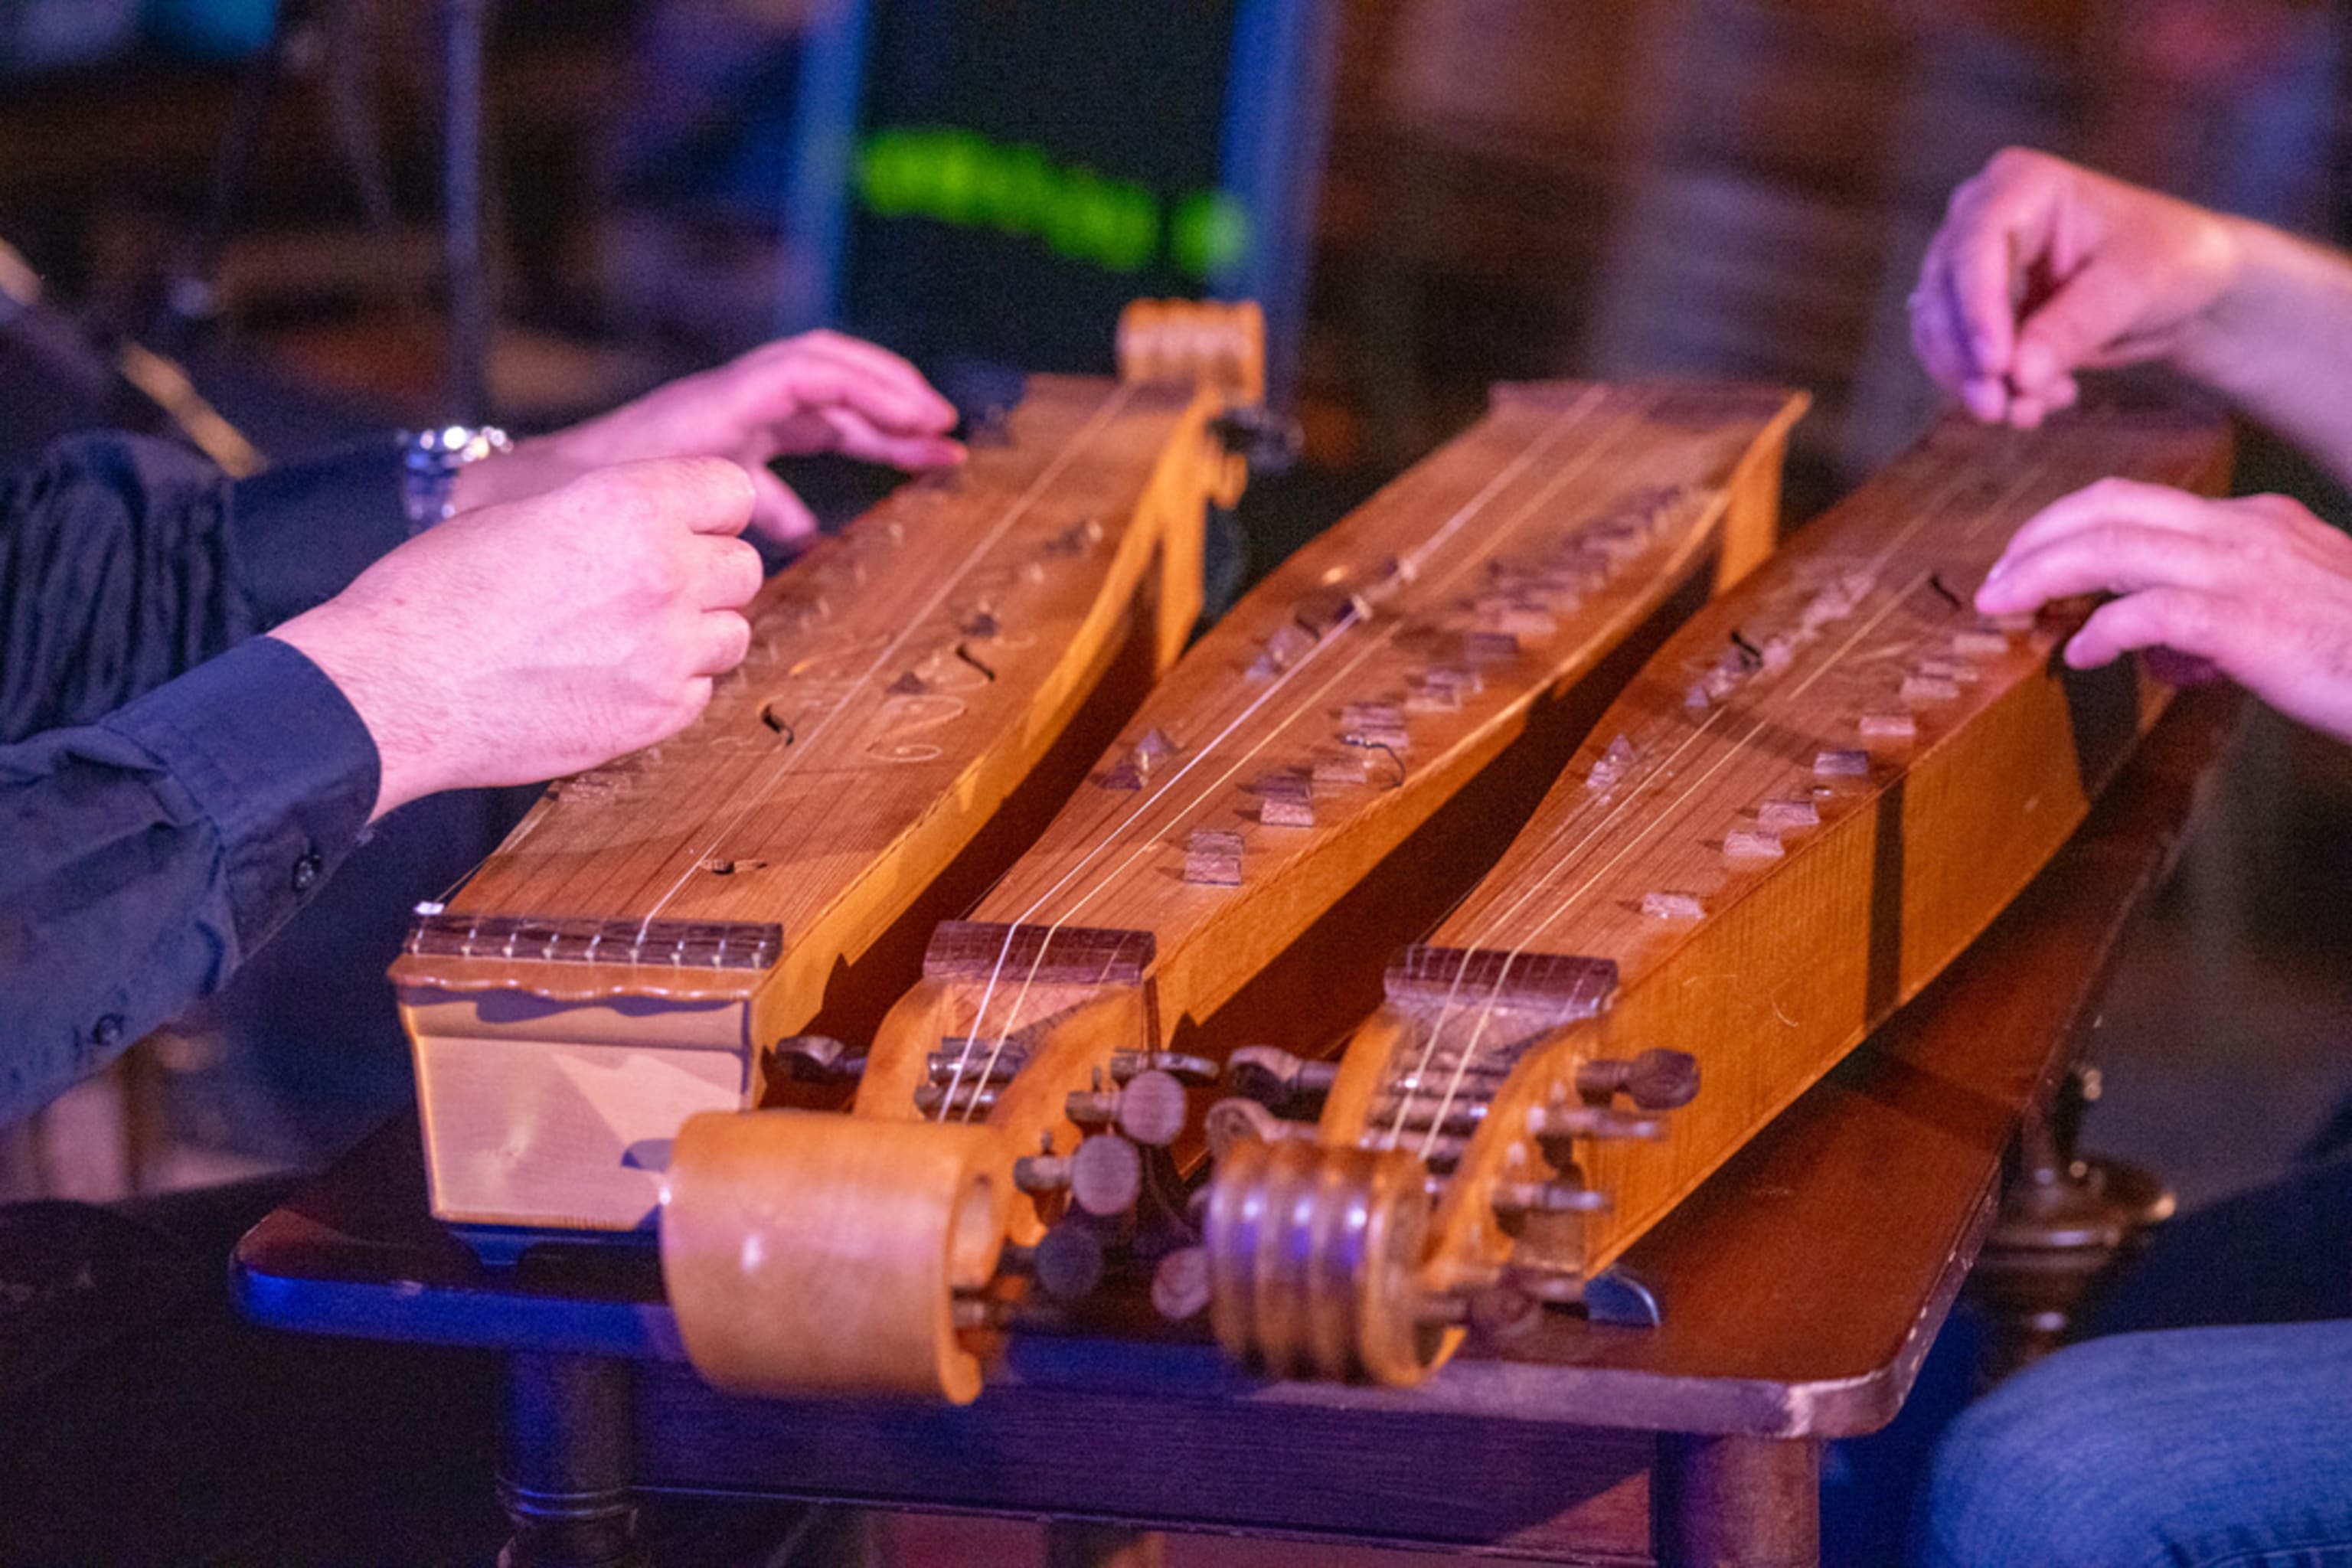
{"type": "Point", "coordinates": [620, 962]}
{"type": "Point", "coordinates": [1309, 735]}
{"type": "Point", "coordinates": [1816, 795]}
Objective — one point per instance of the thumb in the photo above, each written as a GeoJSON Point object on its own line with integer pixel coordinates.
{"type": "Point", "coordinates": [778, 515]}
{"type": "Point", "coordinates": [2089, 311]}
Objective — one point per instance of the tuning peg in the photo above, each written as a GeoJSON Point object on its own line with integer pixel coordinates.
{"type": "Point", "coordinates": [1512, 1199]}
{"type": "Point", "coordinates": [1272, 1077]}
{"type": "Point", "coordinates": [1044, 1171]}
{"type": "Point", "coordinates": [1126, 1065]}
{"type": "Point", "coordinates": [974, 1312]}
{"type": "Point", "coordinates": [1267, 442]}
{"type": "Point", "coordinates": [1232, 1120]}
{"type": "Point", "coordinates": [1105, 1176]}
{"type": "Point", "coordinates": [814, 1058]}
{"type": "Point", "coordinates": [1655, 1080]}
{"type": "Point", "coordinates": [1551, 1123]}
{"type": "Point", "coordinates": [1069, 1261]}
{"type": "Point", "coordinates": [1180, 1285]}
{"type": "Point", "coordinates": [1151, 1107]}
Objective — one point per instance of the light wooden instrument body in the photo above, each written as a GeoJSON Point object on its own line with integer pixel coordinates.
{"type": "Point", "coordinates": [1306, 737]}
{"type": "Point", "coordinates": [653, 925]}
{"type": "Point", "coordinates": [1671, 894]}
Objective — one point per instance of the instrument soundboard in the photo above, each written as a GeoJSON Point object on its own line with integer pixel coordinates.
{"type": "Point", "coordinates": [623, 959]}
{"type": "Point", "coordinates": [1024, 1088]}
{"type": "Point", "coordinates": [1813, 797]}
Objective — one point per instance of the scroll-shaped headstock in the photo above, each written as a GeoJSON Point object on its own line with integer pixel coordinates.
{"type": "Point", "coordinates": [1212, 343]}
{"type": "Point", "coordinates": [1479, 1085]}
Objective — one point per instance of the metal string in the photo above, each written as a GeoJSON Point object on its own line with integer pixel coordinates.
{"type": "Point", "coordinates": [1504, 478]}
{"type": "Point", "coordinates": [1609, 817]}
{"type": "Point", "coordinates": [756, 796]}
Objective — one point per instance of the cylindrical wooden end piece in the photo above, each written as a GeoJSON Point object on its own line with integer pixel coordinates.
{"type": "Point", "coordinates": [811, 1253]}
{"type": "Point", "coordinates": [1312, 1254]}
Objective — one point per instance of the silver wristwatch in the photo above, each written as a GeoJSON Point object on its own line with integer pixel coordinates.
{"type": "Point", "coordinates": [429, 461]}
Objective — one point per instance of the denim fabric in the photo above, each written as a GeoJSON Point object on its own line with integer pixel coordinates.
{"type": "Point", "coordinates": [2209, 1447]}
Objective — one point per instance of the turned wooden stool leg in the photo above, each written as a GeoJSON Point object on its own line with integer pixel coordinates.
{"type": "Point", "coordinates": [1738, 1502]}
{"type": "Point", "coordinates": [2065, 1220]}
{"type": "Point", "coordinates": [565, 1477]}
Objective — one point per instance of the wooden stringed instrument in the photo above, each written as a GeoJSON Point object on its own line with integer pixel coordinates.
{"type": "Point", "coordinates": [1248, 804]}
{"type": "Point", "coordinates": [1820, 790]}
{"type": "Point", "coordinates": [653, 925]}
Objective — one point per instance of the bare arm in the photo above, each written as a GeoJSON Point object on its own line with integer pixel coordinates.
{"type": "Point", "coordinates": [2042, 270]}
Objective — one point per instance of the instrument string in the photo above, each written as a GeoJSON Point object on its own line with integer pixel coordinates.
{"type": "Point", "coordinates": [1505, 478]}
{"type": "Point", "coordinates": [1112, 406]}
{"type": "Point", "coordinates": [1882, 559]}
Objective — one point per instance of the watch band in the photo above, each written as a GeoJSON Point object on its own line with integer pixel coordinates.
{"type": "Point", "coordinates": [429, 462]}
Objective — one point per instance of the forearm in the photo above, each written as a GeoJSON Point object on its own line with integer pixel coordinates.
{"type": "Point", "coordinates": [2278, 341]}
{"type": "Point", "coordinates": [143, 858]}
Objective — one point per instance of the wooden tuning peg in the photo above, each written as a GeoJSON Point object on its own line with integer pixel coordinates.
{"type": "Point", "coordinates": [814, 1058]}
{"type": "Point", "coordinates": [1180, 1285]}
{"type": "Point", "coordinates": [1655, 1080]}
{"type": "Point", "coordinates": [1512, 1199]}
{"type": "Point", "coordinates": [1126, 1065]}
{"type": "Point", "coordinates": [1044, 1171]}
{"type": "Point", "coordinates": [1105, 1176]}
{"type": "Point", "coordinates": [974, 1313]}
{"type": "Point", "coordinates": [1550, 1124]}
{"type": "Point", "coordinates": [1232, 1120]}
{"type": "Point", "coordinates": [1274, 1077]}
{"type": "Point", "coordinates": [1150, 1108]}
{"type": "Point", "coordinates": [1069, 1261]}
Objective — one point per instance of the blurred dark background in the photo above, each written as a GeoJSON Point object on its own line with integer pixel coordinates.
{"type": "Point", "coordinates": [1430, 195]}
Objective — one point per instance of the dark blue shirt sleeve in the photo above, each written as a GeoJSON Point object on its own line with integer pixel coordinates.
{"type": "Point", "coordinates": [142, 857]}
{"type": "Point", "coordinates": [125, 562]}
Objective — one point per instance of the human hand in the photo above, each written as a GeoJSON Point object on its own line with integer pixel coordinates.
{"type": "Point", "coordinates": [516, 642]}
{"type": "Point", "coordinates": [2042, 269]}
{"type": "Point", "coordinates": [2257, 589]}
{"type": "Point", "coordinates": [819, 392]}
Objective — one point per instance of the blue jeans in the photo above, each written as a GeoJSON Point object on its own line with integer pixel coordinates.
{"type": "Point", "coordinates": [2220, 1447]}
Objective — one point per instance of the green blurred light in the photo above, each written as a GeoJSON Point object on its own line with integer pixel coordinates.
{"type": "Point", "coordinates": [1211, 234]}
{"type": "Point", "coordinates": [956, 177]}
